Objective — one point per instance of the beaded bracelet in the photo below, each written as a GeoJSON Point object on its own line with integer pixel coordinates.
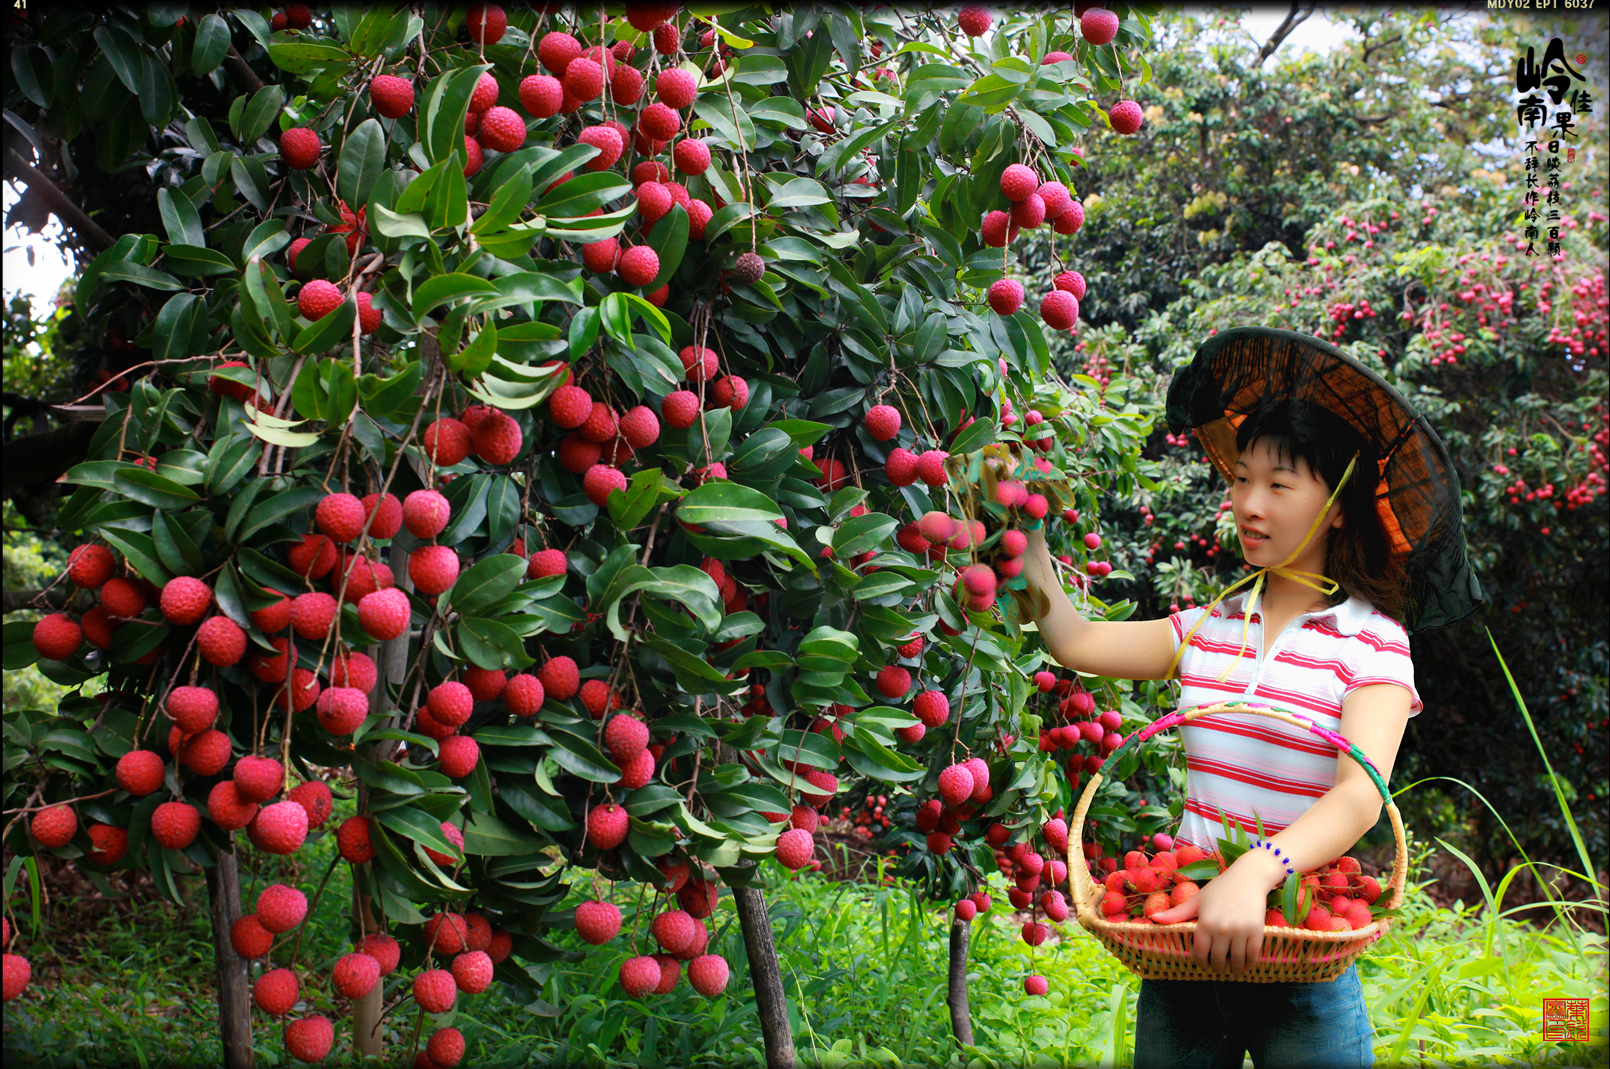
{"type": "Point", "coordinates": [1273, 849]}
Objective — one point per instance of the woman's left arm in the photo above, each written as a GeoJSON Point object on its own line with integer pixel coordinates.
{"type": "Point", "coordinates": [1373, 719]}
{"type": "Point", "coordinates": [1229, 931]}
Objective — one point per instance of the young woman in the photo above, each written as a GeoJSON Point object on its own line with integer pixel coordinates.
{"type": "Point", "coordinates": [1321, 633]}
{"type": "Point", "coordinates": [1338, 659]}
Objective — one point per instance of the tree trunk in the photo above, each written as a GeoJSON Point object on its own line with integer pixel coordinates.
{"type": "Point", "coordinates": [366, 1034]}
{"type": "Point", "coordinates": [234, 993]}
{"type": "Point", "coordinates": [768, 980]}
{"type": "Point", "coordinates": [392, 660]}
{"type": "Point", "coordinates": [961, 1021]}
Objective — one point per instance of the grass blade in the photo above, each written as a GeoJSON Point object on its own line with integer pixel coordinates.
{"type": "Point", "coordinates": [1554, 780]}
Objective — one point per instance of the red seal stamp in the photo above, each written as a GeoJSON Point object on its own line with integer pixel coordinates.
{"type": "Point", "coordinates": [1565, 1020]}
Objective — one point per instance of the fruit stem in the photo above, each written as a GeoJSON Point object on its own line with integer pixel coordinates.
{"type": "Point", "coordinates": [301, 929]}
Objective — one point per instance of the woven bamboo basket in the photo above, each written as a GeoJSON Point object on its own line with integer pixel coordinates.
{"type": "Point", "coordinates": [1163, 952]}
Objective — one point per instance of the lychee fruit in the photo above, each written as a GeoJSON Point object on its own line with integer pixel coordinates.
{"type": "Point", "coordinates": [89, 566]}
{"type": "Point", "coordinates": [391, 96]}
{"type": "Point", "coordinates": [54, 826]}
{"type": "Point", "coordinates": [434, 569]}
{"type": "Point", "coordinates": [221, 641]}
{"type": "Point", "coordinates": [607, 826]}
{"type": "Point", "coordinates": [280, 828]}
{"type": "Point", "coordinates": [185, 600]}
{"type": "Point", "coordinates": [1099, 26]}
{"type": "Point", "coordinates": [425, 513]}
{"type": "Point", "coordinates": [708, 974]}
{"type": "Point", "coordinates": [57, 637]}
{"type": "Point", "coordinates": [598, 922]}
{"type": "Point", "coordinates": [1006, 296]}
{"type": "Point", "coordinates": [1125, 116]}
{"type": "Point", "coordinates": [275, 992]}
{"type": "Point", "coordinates": [435, 990]}
{"type": "Point", "coordinates": [1018, 182]}
{"type": "Point", "coordinates": [280, 908]}
{"type": "Point", "coordinates": [973, 21]}
{"type": "Point", "coordinates": [299, 148]}
{"type": "Point", "coordinates": [318, 299]}
{"type": "Point", "coordinates": [384, 614]}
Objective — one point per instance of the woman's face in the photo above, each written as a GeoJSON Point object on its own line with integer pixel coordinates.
{"type": "Point", "coordinates": [1275, 500]}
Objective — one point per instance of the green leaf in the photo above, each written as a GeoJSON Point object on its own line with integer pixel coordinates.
{"type": "Point", "coordinates": [442, 108]}
{"type": "Point", "coordinates": [393, 225]}
{"type": "Point", "coordinates": [582, 757]}
{"type": "Point", "coordinates": [418, 825]}
{"type": "Point", "coordinates": [487, 836]}
{"type": "Point", "coordinates": [506, 204]}
{"type": "Point", "coordinates": [615, 316]}
{"type": "Point", "coordinates": [828, 650]}
{"type": "Point", "coordinates": [485, 582]}
{"type": "Point", "coordinates": [974, 436]}
{"type": "Point", "coordinates": [632, 507]}
{"type": "Point", "coordinates": [732, 126]}
{"type": "Point", "coordinates": [176, 326]}
{"type": "Point", "coordinates": [277, 508]}
{"type": "Point", "coordinates": [579, 195]}
{"type": "Point", "coordinates": [250, 176]}
{"type": "Point", "coordinates": [153, 489]}
{"type": "Point", "coordinates": [19, 649]}
{"type": "Point", "coordinates": [724, 501]}
{"type": "Point", "coordinates": [858, 534]}
{"type": "Point", "coordinates": [873, 759]}
{"type": "Point", "coordinates": [140, 275]}
{"type": "Point", "coordinates": [180, 218]}
{"type": "Point", "coordinates": [193, 261]}
{"type": "Point", "coordinates": [259, 113]}
{"type": "Point", "coordinates": [684, 583]}
{"type": "Point", "coordinates": [267, 238]}
{"type": "Point", "coordinates": [476, 357]}
{"type": "Point", "coordinates": [584, 332]}
{"type": "Point", "coordinates": [363, 156]}
{"type": "Point", "coordinates": [212, 43]}
{"type": "Point", "coordinates": [798, 193]}
{"type": "Point", "coordinates": [122, 52]}
{"type": "Point", "coordinates": [141, 552]}
{"type": "Point", "coordinates": [694, 672]}
{"type": "Point", "coordinates": [174, 546]}
{"type": "Point", "coordinates": [328, 332]}
{"type": "Point", "coordinates": [669, 240]}
{"type": "Point", "coordinates": [440, 289]}
{"type": "Point", "coordinates": [490, 644]}
{"type": "Point", "coordinates": [543, 811]}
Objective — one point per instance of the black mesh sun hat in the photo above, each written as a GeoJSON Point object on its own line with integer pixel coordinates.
{"type": "Point", "coordinates": [1237, 371]}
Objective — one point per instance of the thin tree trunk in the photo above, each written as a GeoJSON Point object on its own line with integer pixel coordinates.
{"type": "Point", "coordinates": [366, 1034]}
{"type": "Point", "coordinates": [961, 1021]}
{"type": "Point", "coordinates": [769, 998]}
{"type": "Point", "coordinates": [234, 993]}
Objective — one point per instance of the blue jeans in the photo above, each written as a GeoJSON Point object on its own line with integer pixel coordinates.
{"type": "Point", "coordinates": [1213, 1024]}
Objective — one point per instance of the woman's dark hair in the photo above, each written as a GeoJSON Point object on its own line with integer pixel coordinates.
{"type": "Point", "coordinates": [1358, 556]}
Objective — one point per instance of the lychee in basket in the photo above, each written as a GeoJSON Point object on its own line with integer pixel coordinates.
{"type": "Point", "coordinates": [1163, 952]}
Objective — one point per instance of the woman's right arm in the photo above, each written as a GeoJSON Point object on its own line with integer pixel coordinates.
{"type": "Point", "coordinates": [1128, 649]}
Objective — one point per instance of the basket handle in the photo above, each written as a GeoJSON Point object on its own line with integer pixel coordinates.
{"type": "Point", "coordinates": [1400, 861]}
{"type": "Point", "coordinates": [1185, 716]}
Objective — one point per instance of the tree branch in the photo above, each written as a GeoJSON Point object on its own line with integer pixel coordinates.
{"type": "Point", "coordinates": [70, 214]}
{"type": "Point", "coordinates": [240, 72]}
{"type": "Point", "coordinates": [17, 600]}
{"type": "Point", "coordinates": [40, 458]}
{"type": "Point", "coordinates": [1291, 22]}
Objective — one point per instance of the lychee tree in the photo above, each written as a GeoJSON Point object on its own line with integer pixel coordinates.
{"type": "Point", "coordinates": [585, 437]}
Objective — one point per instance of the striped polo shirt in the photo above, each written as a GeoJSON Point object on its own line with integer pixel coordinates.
{"type": "Point", "coordinates": [1239, 765]}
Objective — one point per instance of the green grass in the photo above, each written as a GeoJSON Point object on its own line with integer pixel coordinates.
{"type": "Point", "coordinates": [864, 965]}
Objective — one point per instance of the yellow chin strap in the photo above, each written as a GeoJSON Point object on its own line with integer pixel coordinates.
{"type": "Point", "coordinates": [1312, 580]}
